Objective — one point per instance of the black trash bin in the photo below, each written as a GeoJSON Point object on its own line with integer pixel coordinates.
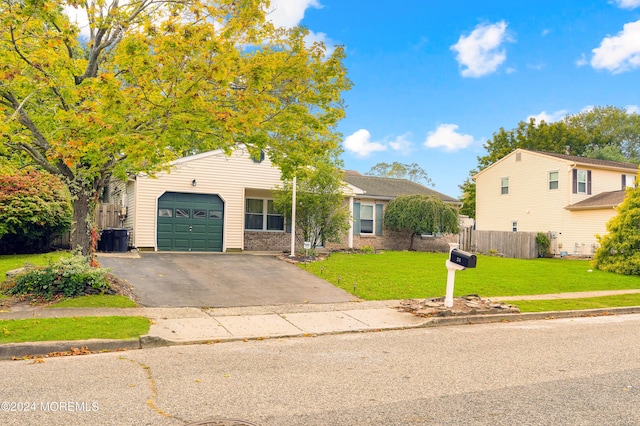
{"type": "Point", "coordinates": [106, 240]}
{"type": "Point", "coordinates": [120, 239]}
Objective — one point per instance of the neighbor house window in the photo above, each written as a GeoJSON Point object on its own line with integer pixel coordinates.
{"type": "Point", "coordinates": [553, 180]}
{"type": "Point", "coordinates": [628, 181]}
{"type": "Point", "coordinates": [504, 186]}
{"type": "Point", "coordinates": [581, 181]}
{"type": "Point", "coordinates": [260, 215]}
{"type": "Point", "coordinates": [366, 219]}
{"type": "Point", "coordinates": [514, 226]}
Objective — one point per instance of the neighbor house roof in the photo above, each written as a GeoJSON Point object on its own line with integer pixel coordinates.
{"type": "Point", "coordinates": [572, 159]}
{"type": "Point", "coordinates": [389, 188]}
{"type": "Point", "coordinates": [592, 161]}
{"type": "Point", "coordinates": [604, 200]}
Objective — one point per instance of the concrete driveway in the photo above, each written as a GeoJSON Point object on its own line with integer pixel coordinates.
{"type": "Point", "coordinates": [219, 280]}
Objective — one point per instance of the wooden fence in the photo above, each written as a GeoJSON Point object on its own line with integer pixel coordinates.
{"type": "Point", "coordinates": [106, 216]}
{"type": "Point", "coordinates": [520, 245]}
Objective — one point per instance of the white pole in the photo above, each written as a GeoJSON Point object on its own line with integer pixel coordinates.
{"type": "Point", "coordinates": [451, 276]}
{"type": "Point", "coordinates": [293, 220]}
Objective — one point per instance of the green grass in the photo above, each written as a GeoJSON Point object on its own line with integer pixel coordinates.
{"type": "Point", "coordinates": [577, 304]}
{"type": "Point", "coordinates": [404, 275]}
{"type": "Point", "coordinates": [81, 328]}
{"type": "Point", "coordinates": [15, 261]}
{"type": "Point", "coordinates": [95, 301]}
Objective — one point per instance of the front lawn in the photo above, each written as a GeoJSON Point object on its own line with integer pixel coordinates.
{"type": "Point", "coordinates": [404, 275]}
{"type": "Point", "coordinates": [9, 262]}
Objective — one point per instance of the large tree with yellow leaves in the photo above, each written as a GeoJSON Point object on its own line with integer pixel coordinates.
{"type": "Point", "coordinates": [146, 81]}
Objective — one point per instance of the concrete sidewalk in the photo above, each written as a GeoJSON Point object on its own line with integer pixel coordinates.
{"type": "Point", "coordinates": [180, 326]}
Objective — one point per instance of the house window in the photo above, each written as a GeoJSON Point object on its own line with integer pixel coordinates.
{"type": "Point", "coordinates": [581, 181]}
{"type": "Point", "coordinates": [504, 186]}
{"type": "Point", "coordinates": [514, 226]}
{"type": "Point", "coordinates": [553, 180]}
{"type": "Point", "coordinates": [366, 219]}
{"type": "Point", "coordinates": [628, 181]}
{"type": "Point", "coordinates": [260, 215]}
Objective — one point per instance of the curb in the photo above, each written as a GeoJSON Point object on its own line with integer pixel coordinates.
{"type": "Point", "coordinates": [38, 349]}
{"type": "Point", "coordinates": [29, 349]}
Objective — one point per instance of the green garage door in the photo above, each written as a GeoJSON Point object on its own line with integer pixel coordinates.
{"type": "Point", "coordinates": [190, 222]}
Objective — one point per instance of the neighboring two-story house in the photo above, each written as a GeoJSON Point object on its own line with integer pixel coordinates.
{"type": "Point", "coordinates": [572, 197]}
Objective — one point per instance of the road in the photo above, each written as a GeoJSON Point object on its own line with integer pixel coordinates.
{"type": "Point", "coordinates": [573, 372]}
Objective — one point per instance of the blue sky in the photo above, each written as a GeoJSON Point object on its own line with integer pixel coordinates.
{"type": "Point", "coordinates": [434, 80]}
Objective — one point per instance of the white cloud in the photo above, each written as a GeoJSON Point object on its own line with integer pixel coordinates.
{"type": "Point", "coordinates": [481, 52]}
{"type": "Point", "coordinates": [582, 61]}
{"type": "Point", "coordinates": [359, 143]}
{"type": "Point", "coordinates": [402, 143]}
{"type": "Point", "coordinates": [621, 52]}
{"type": "Point", "coordinates": [447, 137]}
{"type": "Point", "coordinates": [633, 109]}
{"type": "Point", "coordinates": [289, 13]}
{"type": "Point", "coordinates": [627, 4]}
{"type": "Point", "coordinates": [549, 117]}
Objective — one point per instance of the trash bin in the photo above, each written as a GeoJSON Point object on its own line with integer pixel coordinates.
{"type": "Point", "coordinates": [106, 240]}
{"type": "Point", "coordinates": [120, 239]}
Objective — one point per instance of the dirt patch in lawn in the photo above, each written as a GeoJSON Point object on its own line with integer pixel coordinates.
{"type": "Point", "coordinates": [466, 305]}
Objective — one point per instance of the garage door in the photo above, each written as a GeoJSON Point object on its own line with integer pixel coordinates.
{"type": "Point", "coordinates": [190, 222]}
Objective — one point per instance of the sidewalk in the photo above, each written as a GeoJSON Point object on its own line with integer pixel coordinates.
{"type": "Point", "coordinates": [181, 326]}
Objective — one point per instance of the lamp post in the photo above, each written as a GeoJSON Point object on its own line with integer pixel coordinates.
{"type": "Point", "coordinates": [293, 219]}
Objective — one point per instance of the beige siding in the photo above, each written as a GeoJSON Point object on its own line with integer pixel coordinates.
{"type": "Point", "coordinates": [535, 207]}
{"type": "Point", "coordinates": [215, 173]}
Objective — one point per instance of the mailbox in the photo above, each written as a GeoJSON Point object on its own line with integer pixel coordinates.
{"type": "Point", "coordinates": [463, 258]}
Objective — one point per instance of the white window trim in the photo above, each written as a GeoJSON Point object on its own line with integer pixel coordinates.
{"type": "Point", "coordinates": [549, 180]}
{"type": "Point", "coordinates": [265, 215]}
{"type": "Point", "coordinates": [502, 186]}
{"type": "Point", "coordinates": [585, 182]}
{"type": "Point", "coordinates": [373, 219]}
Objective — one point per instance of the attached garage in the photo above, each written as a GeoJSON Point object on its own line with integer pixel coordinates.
{"type": "Point", "coordinates": [190, 222]}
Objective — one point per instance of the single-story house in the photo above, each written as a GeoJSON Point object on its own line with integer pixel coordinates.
{"type": "Point", "coordinates": [217, 202]}
{"type": "Point", "coordinates": [569, 196]}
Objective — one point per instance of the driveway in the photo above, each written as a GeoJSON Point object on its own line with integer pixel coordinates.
{"type": "Point", "coordinates": [219, 280]}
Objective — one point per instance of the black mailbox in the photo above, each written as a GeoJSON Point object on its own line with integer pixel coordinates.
{"type": "Point", "coordinates": [463, 258]}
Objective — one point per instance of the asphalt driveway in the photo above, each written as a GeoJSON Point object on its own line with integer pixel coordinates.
{"type": "Point", "coordinates": [219, 280]}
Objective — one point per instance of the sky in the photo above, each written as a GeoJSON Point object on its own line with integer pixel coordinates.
{"type": "Point", "coordinates": [434, 80]}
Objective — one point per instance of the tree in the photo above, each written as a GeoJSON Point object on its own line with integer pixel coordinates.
{"type": "Point", "coordinates": [619, 249]}
{"type": "Point", "coordinates": [321, 212]}
{"type": "Point", "coordinates": [468, 196]}
{"type": "Point", "coordinates": [155, 80]}
{"type": "Point", "coordinates": [34, 206]}
{"type": "Point", "coordinates": [412, 172]}
{"type": "Point", "coordinates": [421, 214]}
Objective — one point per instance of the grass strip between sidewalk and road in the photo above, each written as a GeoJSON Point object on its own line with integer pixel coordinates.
{"type": "Point", "coordinates": [74, 328]}
{"type": "Point", "coordinates": [618, 301]}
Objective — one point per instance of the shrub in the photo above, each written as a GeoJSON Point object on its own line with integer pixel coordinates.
{"type": "Point", "coordinates": [619, 250]}
{"type": "Point", "coordinates": [69, 276]}
{"type": "Point", "coordinates": [543, 243]}
{"type": "Point", "coordinates": [34, 207]}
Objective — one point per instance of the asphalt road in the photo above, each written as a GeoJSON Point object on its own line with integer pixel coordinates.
{"type": "Point", "coordinates": [572, 372]}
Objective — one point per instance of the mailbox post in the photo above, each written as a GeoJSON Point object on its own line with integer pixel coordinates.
{"type": "Point", "coordinates": [458, 260]}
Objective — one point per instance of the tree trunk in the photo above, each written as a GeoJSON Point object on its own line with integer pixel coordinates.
{"type": "Point", "coordinates": [82, 221]}
{"type": "Point", "coordinates": [411, 243]}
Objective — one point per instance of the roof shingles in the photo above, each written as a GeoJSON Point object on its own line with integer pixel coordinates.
{"type": "Point", "coordinates": [392, 187]}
